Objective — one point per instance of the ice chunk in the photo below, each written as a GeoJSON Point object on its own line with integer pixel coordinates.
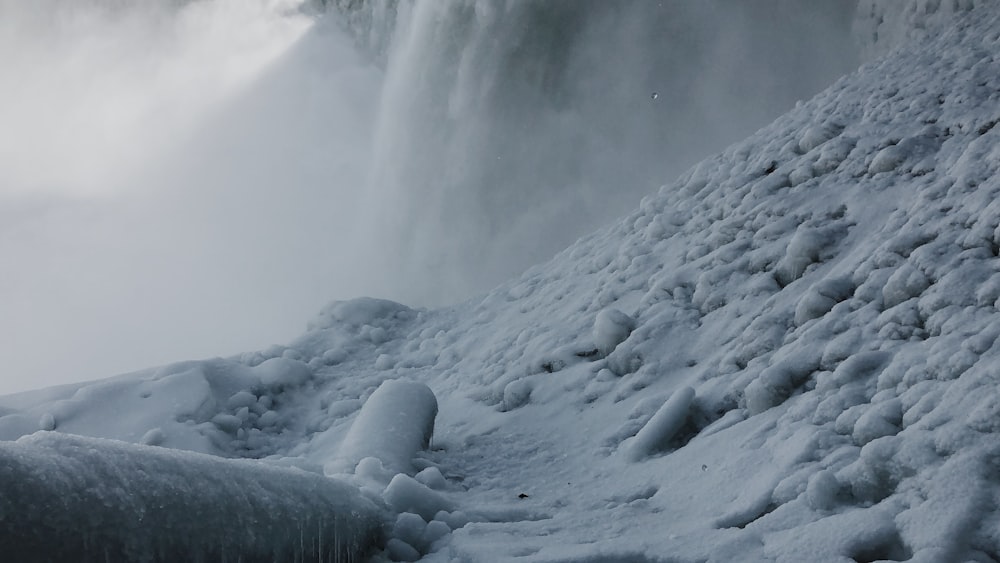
{"type": "Point", "coordinates": [153, 437]}
{"type": "Point", "coordinates": [384, 362]}
{"type": "Point", "coordinates": [241, 399]}
{"type": "Point", "coordinates": [409, 527]}
{"type": "Point", "coordinates": [516, 394]}
{"type": "Point", "coordinates": [227, 422]}
{"type": "Point", "coordinates": [905, 283]}
{"type": "Point", "coordinates": [47, 421]}
{"type": "Point", "coordinates": [268, 419]}
{"type": "Point", "coordinates": [434, 531]}
{"type": "Point", "coordinates": [776, 382]}
{"type": "Point", "coordinates": [887, 159]}
{"type": "Point", "coordinates": [611, 328]}
{"type": "Point", "coordinates": [817, 135]}
{"type": "Point", "coordinates": [70, 498]}
{"type": "Point", "coordinates": [822, 490]}
{"type": "Point", "coordinates": [399, 550]}
{"type": "Point", "coordinates": [662, 427]}
{"type": "Point", "coordinates": [821, 298]}
{"type": "Point", "coordinates": [395, 423]}
{"type": "Point", "coordinates": [883, 419]}
{"type": "Point", "coordinates": [282, 372]}
{"type": "Point", "coordinates": [432, 477]}
{"type": "Point", "coordinates": [405, 494]}
{"type": "Point", "coordinates": [454, 520]}
{"type": "Point", "coordinates": [371, 468]}
{"type": "Point", "coordinates": [803, 249]}
{"type": "Point", "coordinates": [334, 356]}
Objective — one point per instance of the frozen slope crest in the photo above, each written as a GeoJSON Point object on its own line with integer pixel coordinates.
{"type": "Point", "coordinates": [786, 355]}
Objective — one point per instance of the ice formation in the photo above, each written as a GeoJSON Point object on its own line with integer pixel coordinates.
{"type": "Point", "coordinates": [70, 498]}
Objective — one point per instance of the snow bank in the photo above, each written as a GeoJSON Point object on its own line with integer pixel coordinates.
{"type": "Point", "coordinates": [69, 498]}
{"type": "Point", "coordinates": [394, 424]}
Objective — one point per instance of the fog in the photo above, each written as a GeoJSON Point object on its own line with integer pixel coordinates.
{"type": "Point", "coordinates": [188, 179]}
{"type": "Point", "coordinates": [174, 180]}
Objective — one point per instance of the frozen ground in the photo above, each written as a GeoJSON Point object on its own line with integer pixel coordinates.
{"type": "Point", "coordinates": [788, 354]}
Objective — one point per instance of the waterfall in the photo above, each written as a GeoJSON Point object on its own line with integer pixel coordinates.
{"type": "Point", "coordinates": [507, 129]}
{"type": "Point", "coordinates": [197, 177]}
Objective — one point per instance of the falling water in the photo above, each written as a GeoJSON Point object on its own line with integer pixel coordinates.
{"type": "Point", "coordinates": [507, 129]}
{"type": "Point", "coordinates": [180, 179]}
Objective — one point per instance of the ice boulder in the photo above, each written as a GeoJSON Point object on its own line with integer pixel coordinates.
{"type": "Point", "coordinates": [406, 494]}
{"type": "Point", "coordinates": [663, 426]}
{"type": "Point", "coordinates": [394, 424]}
{"type": "Point", "coordinates": [70, 498]}
{"type": "Point", "coordinates": [611, 328]}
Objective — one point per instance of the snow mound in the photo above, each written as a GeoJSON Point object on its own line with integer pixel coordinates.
{"type": "Point", "coordinates": [69, 498]}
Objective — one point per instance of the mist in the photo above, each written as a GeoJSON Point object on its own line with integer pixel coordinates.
{"type": "Point", "coordinates": [180, 180]}
{"type": "Point", "coordinates": [175, 180]}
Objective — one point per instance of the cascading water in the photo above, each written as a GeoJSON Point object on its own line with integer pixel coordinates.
{"type": "Point", "coordinates": [199, 177]}
{"type": "Point", "coordinates": [507, 129]}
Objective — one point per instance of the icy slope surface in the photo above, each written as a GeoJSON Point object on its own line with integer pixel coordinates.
{"type": "Point", "coordinates": [787, 355]}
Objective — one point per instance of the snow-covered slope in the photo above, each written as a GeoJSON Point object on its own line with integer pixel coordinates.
{"type": "Point", "coordinates": [883, 26]}
{"type": "Point", "coordinates": [787, 354]}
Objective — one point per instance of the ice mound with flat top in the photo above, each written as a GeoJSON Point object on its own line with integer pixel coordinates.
{"type": "Point", "coordinates": [787, 354]}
